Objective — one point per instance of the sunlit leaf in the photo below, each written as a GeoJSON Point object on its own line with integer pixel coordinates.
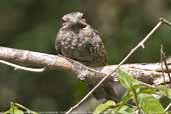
{"type": "Point", "coordinates": [125, 98]}
{"type": "Point", "coordinates": [147, 90]}
{"type": "Point", "coordinates": [127, 80]}
{"type": "Point", "coordinates": [14, 110]}
{"type": "Point", "coordinates": [103, 107]}
{"type": "Point", "coordinates": [149, 104]}
{"type": "Point", "coordinates": [165, 91]}
{"type": "Point", "coordinates": [126, 110]}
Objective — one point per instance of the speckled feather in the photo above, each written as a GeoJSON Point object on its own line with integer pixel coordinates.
{"type": "Point", "coordinates": [80, 42]}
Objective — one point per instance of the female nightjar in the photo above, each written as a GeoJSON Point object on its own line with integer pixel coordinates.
{"type": "Point", "coordinates": [77, 40]}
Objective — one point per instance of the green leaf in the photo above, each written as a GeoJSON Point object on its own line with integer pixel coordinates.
{"type": "Point", "coordinates": [127, 80]}
{"type": "Point", "coordinates": [126, 110]}
{"type": "Point", "coordinates": [17, 111]}
{"type": "Point", "coordinates": [141, 94]}
{"type": "Point", "coordinates": [147, 91]}
{"type": "Point", "coordinates": [149, 104]}
{"type": "Point", "coordinates": [25, 108]}
{"type": "Point", "coordinates": [126, 97]}
{"type": "Point", "coordinates": [103, 107]}
{"type": "Point", "coordinates": [165, 91]}
{"type": "Point", "coordinates": [14, 110]}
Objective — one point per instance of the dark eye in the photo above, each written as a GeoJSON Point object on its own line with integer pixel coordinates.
{"type": "Point", "coordinates": [88, 45]}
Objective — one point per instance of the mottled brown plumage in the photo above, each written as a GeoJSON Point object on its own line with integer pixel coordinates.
{"type": "Point", "coordinates": [77, 40]}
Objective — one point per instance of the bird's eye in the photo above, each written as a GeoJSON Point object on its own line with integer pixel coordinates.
{"type": "Point", "coordinates": [88, 45]}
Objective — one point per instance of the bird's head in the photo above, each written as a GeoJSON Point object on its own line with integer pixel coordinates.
{"type": "Point", "coordinates": [74, 19]}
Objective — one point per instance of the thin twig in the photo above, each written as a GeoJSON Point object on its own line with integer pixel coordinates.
{"type": "Point", "coordinates": [165, 21]}
{"type": "Point", "coordinates": [140, 44]}
{"type": "Point", "coordinates": [161, 61]}
{"type": "Point", "coordinates": [25, 108]}
{"type": "Point", "coordinates": [167, 69]}
{"type": "Point", "coordinates": [21, 106]}
{"type": "Point", "coordinates": [18, 67]}
{"type": "Point", "coordinates": [147, 85]}
{"type": "Point", "coordinates": [167, 108]}
{"type": "Point", "coordinates": [136, 100]}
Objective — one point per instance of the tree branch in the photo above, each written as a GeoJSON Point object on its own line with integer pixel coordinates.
{"type": "Point", "coordinates": [35, 58]}
{"type": "Point", "coordinates": [18, 67]}
{"type": "Point", "coordinates": [148, 73]}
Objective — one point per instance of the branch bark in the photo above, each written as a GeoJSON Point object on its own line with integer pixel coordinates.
{"type": "Point", "coordinates": [150, 73]}
{"type": "Point", "coordinates": [35, 58]}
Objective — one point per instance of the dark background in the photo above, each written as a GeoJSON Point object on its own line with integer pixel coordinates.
{"type": "Point", "coordinates": [33, 25]}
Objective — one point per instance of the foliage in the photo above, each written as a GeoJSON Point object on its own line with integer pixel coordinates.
{"type": "Point", "coordinates": [103, 107]}
{"type": "Point", "coordinates": [16, 108]}
{"type": "Point", "coordinates": [138, 98]}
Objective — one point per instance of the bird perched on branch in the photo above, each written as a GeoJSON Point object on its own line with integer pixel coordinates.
{"type": "Point", "coordinates": [77, 40]}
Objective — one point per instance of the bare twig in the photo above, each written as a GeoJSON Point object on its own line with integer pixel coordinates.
{"type": "Point", "coordinates": [167, 108]}
{"type": "Point", "coordinates": [25, 108]}
{"type": "Point", "coordinates": [165, 21]}
{"type": "Point", "coordinates": [18, 67]}
{"type": "Point", "coordinates": [140, 44]}
{"type": "Point", "coordinates": [147, 85]}
{"type": "Point", "coordinates": [161, 61]}
{"type": "Point", "coordinates": [167, 69]}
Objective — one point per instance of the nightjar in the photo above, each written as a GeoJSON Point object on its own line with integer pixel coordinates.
{"type": "Point", "coordinates": [77, 40]}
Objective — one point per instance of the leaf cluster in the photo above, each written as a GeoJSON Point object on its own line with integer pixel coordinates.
{"type": "Point", "coordinates": [138, 98]}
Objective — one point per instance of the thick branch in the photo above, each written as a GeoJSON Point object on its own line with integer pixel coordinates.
{"type": "Point", "coordinates": [35, 58]}
{"type": "Point", "coordinates": [149, 73]}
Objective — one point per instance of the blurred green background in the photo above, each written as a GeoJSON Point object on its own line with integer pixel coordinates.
{"type": "Point", "coordinates": [33, 25]}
